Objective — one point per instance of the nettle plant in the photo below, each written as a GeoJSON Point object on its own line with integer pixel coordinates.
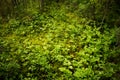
{"type": "Point", "coordinates": [48, 48]}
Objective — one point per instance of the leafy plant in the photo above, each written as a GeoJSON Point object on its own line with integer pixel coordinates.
{"type": "Point", "coordinates": [60, 45]}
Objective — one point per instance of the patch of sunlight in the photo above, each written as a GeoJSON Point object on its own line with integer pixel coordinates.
{"type": "Point", "coordinates": [11, 36]}
{"type": "Point", "coordinates": [38, 40]}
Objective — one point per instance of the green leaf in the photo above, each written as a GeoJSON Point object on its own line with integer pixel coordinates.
{"type": "Point", "coordinates": [65, 70]}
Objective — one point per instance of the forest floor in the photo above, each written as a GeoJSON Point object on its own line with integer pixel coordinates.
{"type": "Point", "coordinates": [61, 43]}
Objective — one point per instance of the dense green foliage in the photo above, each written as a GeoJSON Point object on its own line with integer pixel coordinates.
{"type": "Point", "coordinates": [60, 42]}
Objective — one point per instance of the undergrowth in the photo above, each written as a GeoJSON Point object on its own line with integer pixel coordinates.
{"type": "Point", "coordinates": [57, 46]}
